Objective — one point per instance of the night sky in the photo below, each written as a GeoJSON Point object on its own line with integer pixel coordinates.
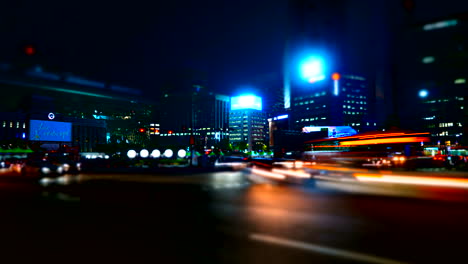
{"type": "Point", "coordinates": [138, 43]}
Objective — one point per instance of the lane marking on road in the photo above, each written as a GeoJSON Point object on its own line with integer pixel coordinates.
{"type": "Point", "coordinates": [335, 252]}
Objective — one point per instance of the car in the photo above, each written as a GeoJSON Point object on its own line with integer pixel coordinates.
{"type": "Point", "coordinates": [41, 168]}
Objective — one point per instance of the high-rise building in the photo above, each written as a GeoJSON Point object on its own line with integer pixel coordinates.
{"type": "Point", "coordinates": [432, 77]}
{"type": "Point", "coordinates": [247, 122]}
{"type": "Point", "coordinates": [195, 112]}
{"type": "Point", "coordinates": [342, 100]}
{"type": "Point", "coordinates": [352, 37]}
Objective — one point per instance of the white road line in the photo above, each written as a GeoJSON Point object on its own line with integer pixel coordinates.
{"type": "Point", "coordinates": [340, 253]}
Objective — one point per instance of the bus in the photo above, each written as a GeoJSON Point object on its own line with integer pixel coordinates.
{"type": "Point", "coordinates": [371, 149]}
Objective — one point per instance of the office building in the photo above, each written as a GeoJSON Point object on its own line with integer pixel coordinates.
{"type": "Point", "coordinates": [195, 112]}
{"type": "Point", "coordinates": [432, 77]}
{"type": "Point", "coordinates": [340, 100]}
{"type": "Point", "coordinates": [247, 122]}
{"type": "Point", "coordinates": [100, 113]}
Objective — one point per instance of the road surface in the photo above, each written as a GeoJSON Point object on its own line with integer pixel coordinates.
{"type": "Point", "coordinates": [227, 217]}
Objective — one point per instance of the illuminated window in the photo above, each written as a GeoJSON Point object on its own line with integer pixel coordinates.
{"type": "Point", "coordinates": [11, 124]}
{"type": "Point", "coordinates": [460, 81]}
{"type": "Point", "coordinates": [4, 123]}
{"type": "Point", "coordinates": [17, 124]}
{"type": "Point", "coordinates": [24, 125]}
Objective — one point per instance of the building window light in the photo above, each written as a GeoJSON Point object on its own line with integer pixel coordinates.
{"type": "Point", "coordinates": [440, 24]}
{"type": "Point", "coordinates": [460, 81]}
{"type": "Point", "coordinates": [428, 59]}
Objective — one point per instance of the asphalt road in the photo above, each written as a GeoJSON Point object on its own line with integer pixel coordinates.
{"type": "Point", "coordinates": [226, 217]}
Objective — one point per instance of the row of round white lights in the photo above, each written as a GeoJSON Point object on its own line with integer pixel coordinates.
{"type": "Point", "coordinates": [144, 153]}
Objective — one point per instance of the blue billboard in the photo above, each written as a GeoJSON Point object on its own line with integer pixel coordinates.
{"type": "Point", "coordinates": [246, 102]}
{"type": "Point", "coordinates": [40, 130]}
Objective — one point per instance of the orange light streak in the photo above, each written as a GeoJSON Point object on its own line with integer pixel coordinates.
{"type": "Point", "coordinates": [384, 141]}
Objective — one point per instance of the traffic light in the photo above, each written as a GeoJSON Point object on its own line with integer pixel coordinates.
{"type": "Point", "coordinates": [142, 130]}
{"type": "Point", "coordinates": [29, 50]}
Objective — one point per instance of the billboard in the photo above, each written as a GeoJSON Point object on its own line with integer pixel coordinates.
{"type": "Point", "coordinates": [246, 102]}
{"type": "Point", "coordinates": [40, 130]}
{"type": "Point", "coordinates": [333, 131]}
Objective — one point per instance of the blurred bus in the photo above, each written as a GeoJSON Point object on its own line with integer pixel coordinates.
{"type": "Point", "coordinates": [372, 149]}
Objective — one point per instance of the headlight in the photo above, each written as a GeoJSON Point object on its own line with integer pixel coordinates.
{"type": "Point", "coordinates": [66, 167]}
{"type": "Point", "coordinates": [45, 170]}
{"type": "Point", "coordinates": [299, 164]}
{"type": "Point", "coordinates": [59, 170]}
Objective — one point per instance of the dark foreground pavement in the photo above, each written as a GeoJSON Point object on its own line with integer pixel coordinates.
{"type": "Point", "coordinates": [111, 221]}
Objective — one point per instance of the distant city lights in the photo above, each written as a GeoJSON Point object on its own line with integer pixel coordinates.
{"type": "Point", "coordinates": [423, 93]}
{"type": "Point", "coordinates": [428, 59]}
{"type": "Point", "coordinates": [336, 76]}
{"type": "Point", "coordinates": [168, 153]}
{"type": "Point", "coordinates": [155, 153]}
{"type": "Point", "coordinates": [144, 153]}
{"type": "Point", "coordinates": [440, 24]}
{"type": "Point", "coordinates": [131, 154]}
{"type": "Point", "coordinates": [181, 153]}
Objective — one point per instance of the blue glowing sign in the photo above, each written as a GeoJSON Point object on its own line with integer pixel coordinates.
{"type": "Point", "coordinates": [280, 117]}
{"type": "Point", "coordinates": [40, 130]}
{"type": "Point", "coordinates": [246, 102]}
{"type": "Point", "coordinates": [312, 69]}
{"type": "Point", "coordinates": [333, 131]}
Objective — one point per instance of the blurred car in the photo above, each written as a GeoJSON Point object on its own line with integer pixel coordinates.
{"type": "Point", "coordinates": [41, 168]}
{"type": "Point", "coordinates": [67, 165]}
